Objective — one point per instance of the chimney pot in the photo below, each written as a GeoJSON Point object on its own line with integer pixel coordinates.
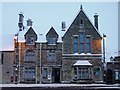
{"type": "Point", "coordinates": [29, 22]}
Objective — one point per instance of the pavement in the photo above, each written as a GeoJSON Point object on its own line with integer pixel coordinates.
{"type": "Point", "coordinates": [60, 86]}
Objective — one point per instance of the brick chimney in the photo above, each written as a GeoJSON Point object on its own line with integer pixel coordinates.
{"type": "Point", "coordinates": [29, 22]}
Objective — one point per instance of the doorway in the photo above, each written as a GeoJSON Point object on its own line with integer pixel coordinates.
{"type": "Point", "coordinates": [109, 76]}
{"type": "Point", "coordinates": [56, 75]}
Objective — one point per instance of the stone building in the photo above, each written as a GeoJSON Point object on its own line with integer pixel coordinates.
{"type": "Point", "coordinates": [7, 63]}
{"type": "Point", "coordinates": [82, 58]}
{"type": "Point", "coordinates": [39, 62]}
{"type": "Point", "coordinates": [113, 70]}
{"type": "Point", "coordinates": [52, 58]}
{"type": "Point", "coordinates": [74, 57]}
{"type": "Point", "coordinates": [28, 58]}
{"type": "Point", "coordinates": [1, 67]}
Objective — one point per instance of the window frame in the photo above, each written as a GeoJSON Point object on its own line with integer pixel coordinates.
{"type": "Point", "coordinates": [29, 74]}
{"type": "Point", "coordinates": [30, 56]}
{"type": "Point", "coordinates": [30, 40]}
{"type": "Point", "coordinates": [51, 56]}
{"type": "Point", "coordinates": [88, 45]}
{"type": "Point", "coordinates": [45, 73]}
{"type": "Point", "coordinates": [82, 73]}
{"type": "Point", "coordinates": [52, 41]}
{"type": "Point", "coordinates": [117, 75]}
{"type": "Point", "coordinates": [75, 44]}
{"type": "Point", "coordinates": [82, 42]}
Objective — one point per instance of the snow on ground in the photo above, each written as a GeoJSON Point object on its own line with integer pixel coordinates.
{"type": "Point", "coordinates": [60, 85]}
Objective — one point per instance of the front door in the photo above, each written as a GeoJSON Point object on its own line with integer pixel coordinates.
{"type": "Point", "coordinates": [109, 76]}
{"type": "Point", "coordinates": [56, 75]}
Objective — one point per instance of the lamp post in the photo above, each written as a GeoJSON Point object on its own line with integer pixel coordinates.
{"type": "Point", "coordinates": [40, 60]}
{"type": "Point", "coordinates": [104, 63]}
{"type": "Point", "coordinates": [16, 58]}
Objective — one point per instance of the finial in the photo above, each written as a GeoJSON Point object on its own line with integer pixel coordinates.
{"type": "Point", "coordinates": [81, 7]}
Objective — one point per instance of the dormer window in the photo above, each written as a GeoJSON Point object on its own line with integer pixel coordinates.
{"type": "Point", "coordinates": [52, 37]}
{"type": "Point", "coordinates": [30, 36]}
{"type": "Point", "coordinates": [31, 40]}
{"type": "Point", "coordinates": [52, 41]}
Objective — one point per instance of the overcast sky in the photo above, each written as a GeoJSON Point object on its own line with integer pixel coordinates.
{"type": "Point", "coordinates": [48, 14]}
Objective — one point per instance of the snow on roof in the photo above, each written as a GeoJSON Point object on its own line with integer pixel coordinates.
{"type": "Point", "coordinates": [76, 54]}
{"type": "Point", "coordinates": [82, 62]}
{"type": "Point", "coordinates": [83, 54]}
{"type": "Point", "coordinates": [41, 38]}
{"type": "Point", "coordinates": [59, 39]}
{"type": "Point", "coordinates": [21, 37]}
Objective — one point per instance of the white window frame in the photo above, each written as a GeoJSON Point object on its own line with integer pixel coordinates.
{"type": "Point", "coordinates": [80, 72]}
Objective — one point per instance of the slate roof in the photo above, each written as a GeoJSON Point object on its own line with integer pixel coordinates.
{"type": "Point", "coordinates": [52, 31]}
{"type": "Point", "coordinates": [86, 17]}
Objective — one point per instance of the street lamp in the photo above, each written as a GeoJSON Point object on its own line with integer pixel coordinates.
{"type": "Point", "coordinates": [16, 59]}
{"type": "Point", "coordinates": [40, 60]}
{"type": "Point", "coordinates": [104, 63]}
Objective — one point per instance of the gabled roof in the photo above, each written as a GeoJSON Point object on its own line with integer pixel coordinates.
{"type": "Point", "coordinates": [30, 31]}
{"type": "Point", "coordinates": [52, 32]}
{"type": "Point", "coordinates": [77, 17]}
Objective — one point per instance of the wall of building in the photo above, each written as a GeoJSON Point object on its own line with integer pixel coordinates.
{"type": "Point", "coordinates": [7, 66]}
{"type": "Point", "coordinates": [113, 71]}
{"type": "Point", "coordinates": [44, 60]}
{"type": "Point", "coordinates": [29, 64]}
{"type": "Point", "coordinates": [81, 26]}
{"type": "Point", "coordinates": [1, 67]}
{"type": "Point", "coordinates": [69, 60]}
{"type": "Point", "coordinates": [51, 64]}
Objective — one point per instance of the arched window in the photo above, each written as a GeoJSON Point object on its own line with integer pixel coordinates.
{"type": "Point", "coordinates": [97, 71]}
